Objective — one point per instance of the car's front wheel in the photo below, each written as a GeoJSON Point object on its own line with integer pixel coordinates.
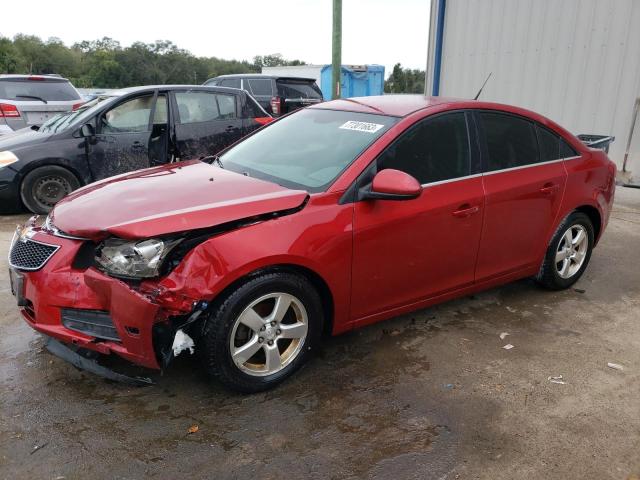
{"type": "Point", "coordinates": [43, 187]}
{"type": "Point", "coordinates": [568, 253]}
{"type": "Point", "coordinates": [262, 332]}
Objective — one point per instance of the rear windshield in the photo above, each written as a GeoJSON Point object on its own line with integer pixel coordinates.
{"type": "Point", "coordinates": [298, 89]}
{"type": "Point", "coordinates": [308, 149]}
{"type": "Point", "coordinates": [25, 90]}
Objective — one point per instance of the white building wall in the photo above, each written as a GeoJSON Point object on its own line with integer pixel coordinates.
{"type": "Point", "coordinates": [575, 61]}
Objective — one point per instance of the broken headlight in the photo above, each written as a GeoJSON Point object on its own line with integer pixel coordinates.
{"type": "Point", "coordinates": [133, 259]}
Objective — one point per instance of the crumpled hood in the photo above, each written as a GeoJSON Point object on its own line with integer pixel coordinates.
{"type": "Point", "coordinates": [171, 198]}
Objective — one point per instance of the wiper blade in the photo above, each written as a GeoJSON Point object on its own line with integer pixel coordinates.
{"type": "Point", "coordinates": [32, 96]}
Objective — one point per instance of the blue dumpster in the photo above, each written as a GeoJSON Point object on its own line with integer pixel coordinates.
{"type": "Point", "coordinates": [355, 81]}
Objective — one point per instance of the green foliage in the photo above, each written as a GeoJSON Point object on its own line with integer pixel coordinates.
{"type": "Point", "coordinates": [274, 60]}
{"type": "Point", "coordinates": [104, 63]}
{"type": "Point", "coordinates": [404, 80]}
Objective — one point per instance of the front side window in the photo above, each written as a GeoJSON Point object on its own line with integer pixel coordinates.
{"type": "Point", "coordinates": [308, 149]}
{"type": "Point", "coordinates": [260, 86]}
{"type": "Point", "coordinates": [511, 141]}
{"type": "Point", "coordinates": [130, 116]}
{"type": "Point", "coordinates": [435, 149]}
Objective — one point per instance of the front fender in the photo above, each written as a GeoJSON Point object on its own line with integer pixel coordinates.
{"type": "Point", "coordinates": [318, 238]}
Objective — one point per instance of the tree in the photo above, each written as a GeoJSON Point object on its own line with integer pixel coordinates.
{"type": "Point", "coordinates": [105, 63]}
{"type": "Point", "coordinates": [274, 60]}
{"type": "Point", "coordinates": [404, 80]}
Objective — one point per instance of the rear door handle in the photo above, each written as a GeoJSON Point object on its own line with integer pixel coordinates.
{"type": "Point", "coordinates": [549, 188]}
{"type": "Point", "coordinates": [466, 210]}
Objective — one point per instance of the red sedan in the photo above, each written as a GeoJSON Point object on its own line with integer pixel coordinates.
{"type": "Point", "coordinates": [334, 217]}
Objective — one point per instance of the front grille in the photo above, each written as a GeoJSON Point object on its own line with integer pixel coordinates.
{"type": "Point", "coordinates": [90, 322]}
{"type": "Point", "coordinates": [30, 255]}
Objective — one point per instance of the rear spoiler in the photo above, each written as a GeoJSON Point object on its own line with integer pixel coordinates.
{"type": "Point", "coordinates": [601, 142]}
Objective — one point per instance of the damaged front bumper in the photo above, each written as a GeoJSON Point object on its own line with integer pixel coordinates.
{"type": "Point", "coordinates": [93, 311]}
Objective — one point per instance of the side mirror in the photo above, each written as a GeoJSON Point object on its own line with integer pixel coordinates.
{"type": "Point", "coordinates": [87, 130]}
{"type": "Point", "coordinates": [392, 184]}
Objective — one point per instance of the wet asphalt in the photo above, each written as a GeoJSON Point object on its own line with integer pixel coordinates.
{"type": "Point", "coordinates": [428, 395]}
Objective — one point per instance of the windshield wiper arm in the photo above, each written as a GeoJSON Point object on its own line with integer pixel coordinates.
{"type": "Point", "coordinates": [32, 96]}
{"type": "Point", "coordinates": [213, 158]}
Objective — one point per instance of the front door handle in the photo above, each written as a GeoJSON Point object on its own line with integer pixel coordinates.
{"type": "Point", "coordinates": [466, 210]}
{"type": "Point", "coordinates": [549, 188]}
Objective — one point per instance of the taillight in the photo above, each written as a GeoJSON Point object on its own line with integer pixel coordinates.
{"type": "Point", "coordinates": [8, 110]}
{"type": "Point", "coordinates": [276, 105]}
{"type": "Point", "coordinates": [77, 106]}
{"type": "Point", "coordinates": [263, 120]}
{"type": "Point", "coordinates": [36, 78]}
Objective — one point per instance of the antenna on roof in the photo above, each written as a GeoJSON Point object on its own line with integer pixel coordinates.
{"type": "Point", "coordinates": [485, 82]}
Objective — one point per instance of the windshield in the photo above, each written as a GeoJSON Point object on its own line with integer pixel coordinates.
{"type": "Point", "coordinates": [29, 90]}
{"type": "Point", "coordinates": [308, 149]}
{"type": "Point", "coordinates": [68, 119]}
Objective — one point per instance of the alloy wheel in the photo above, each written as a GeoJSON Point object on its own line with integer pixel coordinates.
{"type": "Point", "coordinates": [269, 334]}
{"type": "Point", "coordinates": [572, 251]}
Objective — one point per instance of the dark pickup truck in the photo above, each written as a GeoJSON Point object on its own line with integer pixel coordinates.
{"type": "Point", "coordinates": [125, 130]}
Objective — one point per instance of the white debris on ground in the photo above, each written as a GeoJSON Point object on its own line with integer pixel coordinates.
{"type": "Point", "coordinates": [508, 346]}
{"type": "Point", "coordinates": [182, 342]}
{"type": "Point", "coordinates": [615, 366]}
{"type": "Point", "coordinates": [503, 335]}
{"type": "Point", "coordinates": [557, 379]}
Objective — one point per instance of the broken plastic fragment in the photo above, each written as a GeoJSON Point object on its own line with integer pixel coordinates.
{"type": "Point", "coordinates": [508, 346]}
{"type": "Point", "coordinates": [182, 342]}
{"type": "Point", "coordinates": [503, 335]}
{"type": "Point", "coordinates": [615, 366]}
{"type": "Point", "coordinates": [557, 379]}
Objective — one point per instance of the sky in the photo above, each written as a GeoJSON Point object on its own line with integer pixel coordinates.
{"type": "Point", "coordinates": [373, 31]}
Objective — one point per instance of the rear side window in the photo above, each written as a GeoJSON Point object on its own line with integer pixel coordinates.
{"type": "Point", "coordinates": [433, 150]}
{"type": "Point", "coordinates": [260, 86]}
{"type": "Point", "coordinates": [230, 82]}
{"type": "Point", "coordinates": [566, 151]}
{"type": "Point", "coordinates": [293, 89]}
{"type": "Point", "coordinates": [197, 107]}
{"type": "Point", "coordinates": [25, 90]}
{"type": "Point", "coordinates": [252, 109]}
{"type": "Point", "coordinates": [511, 141]}
{"type": "Point", "coordinates": [549, 144]}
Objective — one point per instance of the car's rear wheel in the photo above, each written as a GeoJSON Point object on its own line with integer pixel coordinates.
{"type": "Point", "coordinates": [43, 187]}
{"type": "Point", "coordinates": [568, 253]}
{"type": "Point", "coordinates": [262, 332]}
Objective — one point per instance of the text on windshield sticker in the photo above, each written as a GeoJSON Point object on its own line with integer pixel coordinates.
{"type": "Point", "coordinates": [361, 126]}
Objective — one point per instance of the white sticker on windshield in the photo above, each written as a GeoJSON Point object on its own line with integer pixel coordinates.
{"type": "Point", "coordinates": [361, 126]}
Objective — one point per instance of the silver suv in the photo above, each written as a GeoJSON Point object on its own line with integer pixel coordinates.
{"type": "Point", "coordinates": [27, 100]}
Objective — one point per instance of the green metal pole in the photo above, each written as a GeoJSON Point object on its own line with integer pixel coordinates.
{"type": "Point", "coordinates": [336, 49]}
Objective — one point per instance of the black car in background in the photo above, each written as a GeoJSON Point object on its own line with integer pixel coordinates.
{"type": "Point", "coordinates": [277, 95]}
{"type": "Point", "coordinates": [124, 130]}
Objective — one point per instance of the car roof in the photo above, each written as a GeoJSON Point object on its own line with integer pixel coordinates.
{"type": "Point", "coordinates": [263, 75]}
{"type": "Point", "coordinates": [401, 105]}
{"type": "Point", "coordinates": [45, 77]}
{"type": "Point", "coordinates": [145, 88]}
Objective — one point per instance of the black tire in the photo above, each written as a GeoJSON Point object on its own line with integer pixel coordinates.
{"type": "Point", "coordinates": [44, 186]}
{"type": "Point", "coordinates": [549, 276]}
{"type": "Point", "coordinates": [215, 343]}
